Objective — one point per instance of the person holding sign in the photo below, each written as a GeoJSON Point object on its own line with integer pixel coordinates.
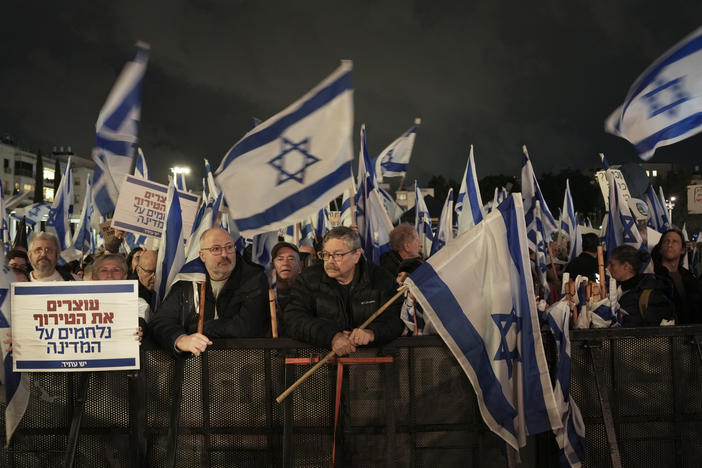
{"type": "Point", "coordinates": [235, 306]}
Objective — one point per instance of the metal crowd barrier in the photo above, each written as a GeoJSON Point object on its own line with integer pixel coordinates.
{"type": "Point", "coordinates": [639, 390]}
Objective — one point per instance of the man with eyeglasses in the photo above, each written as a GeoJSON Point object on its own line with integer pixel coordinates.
{"type": "Point", "coordinates": [331, 299]}
{"type": "Point", "coordinates": [236, 300]}
{"type": "Point", "coordinates": [43, 255]}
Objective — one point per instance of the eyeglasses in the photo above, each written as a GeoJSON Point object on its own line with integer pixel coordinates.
{"type": "Point", "coordinates": [217, 249]}
{"type": "Point", "coordinates": [336, 256]}
{"type": "Point", "coordinates": [46, 250]}
{"type": "Point", "coordinates": [148, 272]}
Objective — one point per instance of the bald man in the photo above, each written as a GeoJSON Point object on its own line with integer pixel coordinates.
{"type": "Point", "coordinates": [236, 300]}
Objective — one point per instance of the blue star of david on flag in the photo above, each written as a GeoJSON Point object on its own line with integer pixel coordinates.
{"type": "Point", "coordinates": [297, 154]}
{"type": "Point", "coordinates": [628, 224]}
{"type": "Point", "coordinates": [504, 323]}
{"type": "Point", "coordinates": [675, 93]}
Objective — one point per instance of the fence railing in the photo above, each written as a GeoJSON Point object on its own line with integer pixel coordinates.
{"type": "Point", "coordinates": [417, 410]}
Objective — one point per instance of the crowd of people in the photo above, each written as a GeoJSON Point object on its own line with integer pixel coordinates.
{"type": "Point", "coordinates": [324, 294]}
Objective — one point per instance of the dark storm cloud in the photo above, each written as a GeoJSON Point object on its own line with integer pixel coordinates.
{"type": "Point", "coordinates": [495, 74]}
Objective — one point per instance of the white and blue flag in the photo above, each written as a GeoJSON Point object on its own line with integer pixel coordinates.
{"type": "Point", "coordinates": [345, 218]}
{"type": "Point", "coordinates": [140, 167]}
{"type": "Point", "coordinates": [570, 437]}
{"type": "Point", "coordinates": [393, 160]}
{"type": "Point", "coordinates": [661, 196]}
{"type": "Point", "coordinates": [321, 223]}
{"type": "Point", "coordinates": [569, 225]}
{"type": "Point", "coordinates": [469, 204]}
{"type": "Point", "coordinates": [35, 213]}
{"type": "Point", "coordinates": [261, 249]}
{"type": "Point", "coordinates": [444, 233]}
{"type": "Point", "coordinates": [657, 216]}
{"type": "Point", "coordinates": [301, 158]}
{"type": "Point", "coordinates": [621, 225]}
{"type": "Point", "coordinates": [500, 195]}
{"type": "Point", "coordinates": [17, 385]}
{"type": "Point", "coordinates": [171, 252]}
{"type": "Point", "coordinates": [492, 328]}
{"type": "Point", "coordinates": [116, 132]}
{"type": "Point", "coordinates": [422, 220]}
{"type": "Point", "coordinates": [664, 105]}
{"type": "Point", "coordinates": [531, 192]}
{"type": "Point", "coordinates": [59, 222]}
{"type": "Point", "coordinates": [83, 237]}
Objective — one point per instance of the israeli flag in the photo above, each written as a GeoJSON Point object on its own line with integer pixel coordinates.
{"type": "Point", "coordinates": [469, 204]}
{"type": "Point", "coordinates": [4, 221]}
{"type": "Point", "coordinates": [345, 219]}
{"type": "Point", "coordinates": [35, 213]}
{"type": "Point", "coordinates": [374, 225]}
{"type": "Point", "coordinates": [171, 253]}
{"type": "Point", "coordinates": [664, 105]}
{"type": "Point", "coordinates": [140, 168]}
{"type": "Point", "coordinates": [569, 224]}
{"type": "Point", "coordinates": [307, 233]}
{"type": "Point", "coordinates": [17, 385]}
{"type": "Point", "coordinates": [500, 195]}
{"type": "Point", "coordinates": [571, 435]}
{"type": "Point", "coordinates": [621, 225]}
{"type": "Point", "coordinates": [665, 216]}
{"type": "Point", "coordinates": [393, 210]}
{"type": "Point", "coordinates": [301, 158]}
{"type": "Point", "coordinates": [444, 233]}
{"type": "Point", "coordinates": [393, 160]}
{"type": "Point", "coordinates": [261, 251]}
{"type": "Point", "coordinates": [422, 220]}
{"type": "Point", "coordinates": [531, 193]}
{"type": "Point", "coordinates": [657, 217]}
{"type": "Point", "coordinates": [59, 222]}
{"type": "Point", "coordinates": [492, 328]}
{"type": "Point", "coordinates": [82, 239]}
{"type": "Point", "coordinates": [537, 235]}
{"type": "Point", "coordinates": [116, 132]}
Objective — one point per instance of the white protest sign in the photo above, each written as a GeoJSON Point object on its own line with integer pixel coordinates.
{"type": "Point", "coordinates": [141, 208]}
{"type": "Point", "coordinates": [75, 326]}
{"type": "Point", "coordinates": [618, 179]}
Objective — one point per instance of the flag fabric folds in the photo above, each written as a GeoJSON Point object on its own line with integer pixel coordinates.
{"type": "Point", "coordinates": [657, 216]}
{"type": "Point", "coordinates": [4, 221]}
{"type": "Point", "coordinates": [83, 237]}
{"type": "Point", "coordinates": [621, 225]}
{"type": "Point", "coordinates": [531, 193]}
{"type": "Point", "coordinates": [422, 220]}
{"type": "Point", "coordinates": [171, 253]}
{"type": "Point", "coordinates": [116, 132]}
{"type": "Point", "coordinates": [140, 167]}
{"type": "Point", "coordinates": [17, 385]}
{"type": "Point", "coordinates": [569, 224]}
{"type": "Point", "coordinates": [301, 157]}
{"type": "Point", "coordinates": [664, 105]}
{"type": "Point", "coordinates": [469, 204]}
{"type": "Point", "coordinates": [393, 160]}
{"type": "Point", "coordinates": [59, 222]}
{"type": "Point", "coordinates": [492, 328]}
{"type": "Point", "coordinates": [571, 436]}
{"type": "Point", "coordinates": [444, 233]}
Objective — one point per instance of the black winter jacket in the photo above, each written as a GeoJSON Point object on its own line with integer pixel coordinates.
{"type": "Point", "coordinates": [242, 308]}
{"type": "Point", "coordinates": [659, 305]}
{"type": "Point", "coordinates": [317, 310]}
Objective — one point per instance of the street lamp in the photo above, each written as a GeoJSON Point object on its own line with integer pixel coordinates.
{"type": "Point", "coordinates": [670, 204]}
{"type": "Point", "coordinates": [179, 173]}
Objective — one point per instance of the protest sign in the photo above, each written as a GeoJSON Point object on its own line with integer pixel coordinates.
{"type": "Point", "coordinates": [141, 208]}
{"type": "Point", "coordinates": [75, 326]}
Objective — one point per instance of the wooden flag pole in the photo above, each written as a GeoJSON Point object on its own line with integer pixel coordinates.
{"type": "Point", "coordinates": [274, 314]}
{"type": "Point", "coordinates": [331, 355]}
{"type": "Point", "coordinates": [201, 319]}
{"type": "Point", "coordinates": [600, 264]}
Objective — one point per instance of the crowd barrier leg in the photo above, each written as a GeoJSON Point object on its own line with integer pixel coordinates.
{"type": "Point", "coordinates": [78, 410]}
{"type": "Point", "coordinates": [174, 416]}
{"type": "Point", "coordinates": [595, 356]}
{"type": "Point", "coordinates": [137, 419]}
{"type": "Point", "coordinates": [206, 427]}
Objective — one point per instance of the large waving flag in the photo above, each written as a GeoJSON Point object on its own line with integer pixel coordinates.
{"type": "Point", "coordinates": [469, 204]}
{"type": "Point", "coordinates": [116, 132]}
{"type": "Point", "coordinates": [83, 237]}
{"type": "Point", "coordinates": [59, 222]}
{"type": "Point", "coordinates": [569, 224]}
{"type": "Point", "coordinates": [664, 105]}
{"type": "Point", "coordinates": [571, 436]}
{"type": "Point", "coordinates": [171, 252]}
{"type": "Point", "coordinates": [393, 160]}
{"type": "Point", "coordinates": [35, 213]}
{"type": "Point", "coordinates": [492, 328]}
{"type": "Point", "coordinates": [531, 192]}
{"type": "Point", "coordinates": [4, 221]}
{"type": "Point", "coordinates": [17, 386]}
{"type": "Point", "coordinates": [444, 233]}
{"type": "Point", "coordinates": [301, 158]}
{"type": "Point", "coordinates": [422, 220]}
{"type": "Point", "coordinates": [374, 225]}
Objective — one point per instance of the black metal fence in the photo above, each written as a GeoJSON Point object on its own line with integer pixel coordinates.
{"type": "Point", "coordinates": [418, 410]}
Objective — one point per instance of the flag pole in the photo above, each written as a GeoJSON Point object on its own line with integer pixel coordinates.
{"type": "Point", "coordinates": [331, 355]}
{"type": "Point", "coordinates": [201, 319]}
{"type": "Point", "coordinates": [600, 265]}
{"type": "Point", "coordinates": [274, 315]}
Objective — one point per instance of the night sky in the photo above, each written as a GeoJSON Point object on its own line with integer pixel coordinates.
{"type": "Point", "coordinates": [497, 74]}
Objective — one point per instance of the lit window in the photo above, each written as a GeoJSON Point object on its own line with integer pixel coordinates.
{"type": "Point", "coordinates": [647, 173]}
{"type": "Point", "coordinates": [28, 187]}
{"type": "Point", "coordinates": [655, 173]}
{"type": "Point", "coordinates": [48, 174]}
{"type": "Point", "coordinates": [402, 196]}
{"type": "Point", "coordinates": [48, 194]}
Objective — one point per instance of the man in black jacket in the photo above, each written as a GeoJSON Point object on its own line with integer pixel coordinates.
{"type": "Point", "coordinates": [236, 300]}
{"type": "Point", "coordinates": [330, 300]}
